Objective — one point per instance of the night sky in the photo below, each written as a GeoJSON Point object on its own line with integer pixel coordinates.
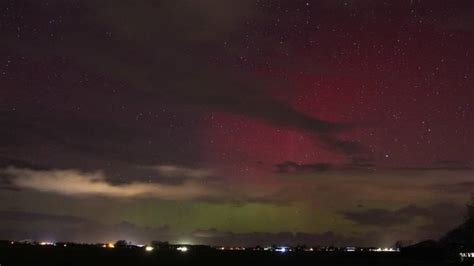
{"type": "Point", "coordinates": [235, 122]}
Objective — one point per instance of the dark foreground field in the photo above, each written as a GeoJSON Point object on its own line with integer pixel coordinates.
{"type": "Point", "coordinates": [40, 255]}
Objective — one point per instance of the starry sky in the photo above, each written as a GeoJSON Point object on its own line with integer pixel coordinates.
{"type": "Point", "coordinates": [235, 122]}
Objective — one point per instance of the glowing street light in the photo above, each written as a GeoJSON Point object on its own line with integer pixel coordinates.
{"type": "Point", "coordinates": [149, 248]}
{"type": "Point", "coordinates": [182, 249]}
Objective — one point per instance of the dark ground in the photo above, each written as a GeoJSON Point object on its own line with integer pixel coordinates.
{"type": "Point", "coordinates": [44, 255]}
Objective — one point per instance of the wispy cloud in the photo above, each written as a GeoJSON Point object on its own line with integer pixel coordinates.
{"type": "Point", "coordinates": [182, 171]}
{"type": "Point", "coordinates": [293, 167]}
{"type": "Point", "coordinates": [290, 167]}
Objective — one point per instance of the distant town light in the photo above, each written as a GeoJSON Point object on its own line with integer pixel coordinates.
{"type": "Point", "coordinates": [110, 245]}
{"type": "Point", "coordinates": [385, 250]}
{"type": "Point", "coordinates": [466, 254]}
{"type": "Point", "coordinates": [182, 249]}
{"type": "Point", "coordinates": [281, 249]}
{"type": "Point", "coordinates": [149, 248]}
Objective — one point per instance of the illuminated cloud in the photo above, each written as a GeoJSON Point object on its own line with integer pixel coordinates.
{"type": "Point", "coordinates": [78, 183]}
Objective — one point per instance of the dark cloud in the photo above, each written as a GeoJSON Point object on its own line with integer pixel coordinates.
{"type": "Point", "coordinates": [216, 237]}
{"type": "Point", "coordinates": [434, 215]}
{"type": "Point", "coordinates": [343, 146]}
{"type": "Point", "coordinates": [12, 162]}
{"type": "Point", "coordinates": [292, 167]}
{"type": "Point", "coordinates": [382, 217]}
{"type": "Point", "coordinates": [362, 163]}
{"type": "Point", "coordinates": [161, 64]}
{"type": "Point", "coordinates": [5, 179]}
{"type": "Point", "coordinates": [448, 165]}
{"type": "Point", "coordinates": [462, 187]}
{"type": "Point", "coordinates": [51, 227]}
{"type": "Point", "coordinates": [40, 226]}
{"type": "Point", "coordinates": [22, 217]}
{"type": "Point", "coordinates": [6, 162]}
{"type": "Point", "coordinates": [64, 139]}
